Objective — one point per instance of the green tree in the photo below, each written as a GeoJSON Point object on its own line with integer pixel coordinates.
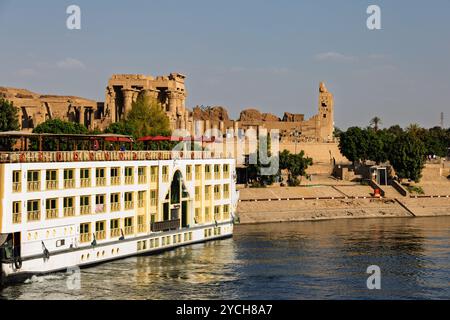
{"type": "Point", "coordinates": [146, 118]}
{"type": "Point", "coordinates": [353, 144]}
{"type": "Point", "coordinates": [375, 123]}
{"type": "Point", "coordinates": [9, 121]}
{"type": "Point", "coordinates": [121, 127]}
{"type": "Point", "coordinates": [436, 142]}
{"type": "Point", "coordinates": [57, 126]}
{"type": "Point", "coordinates": [295, 164]}
{"type": "Point", "coordinates": [395, 130]}
{"type": "Point", "coordinates": [408, 156]}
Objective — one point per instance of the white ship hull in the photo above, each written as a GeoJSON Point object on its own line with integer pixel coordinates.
{"type": "Point", "coordinates": [60, 214]}
{"type": "Point", "coordinates": [82, 257]}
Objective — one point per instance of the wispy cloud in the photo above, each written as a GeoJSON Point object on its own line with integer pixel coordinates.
{"type": "Point", "coordinates": [70, 63]}
{"type": "Point", "coordinates": [334, 57]}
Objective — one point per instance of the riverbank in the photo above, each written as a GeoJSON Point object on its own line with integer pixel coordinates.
{"type": "Point", "coordinates": [282, 204]}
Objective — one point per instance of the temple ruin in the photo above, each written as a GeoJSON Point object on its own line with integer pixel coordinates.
{"type": "Point", "coordinates": [170, 91]}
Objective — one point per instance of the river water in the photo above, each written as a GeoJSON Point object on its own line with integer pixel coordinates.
{"type": "Point", "coordinates": [309, 260]}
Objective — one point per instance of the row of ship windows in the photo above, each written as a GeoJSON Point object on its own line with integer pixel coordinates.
{"type": "Point", "coordinates": [164, 241]}
{"type": "Point", "coordinates": [33, 206]}
{"type": "Point", "coordinates": [146, 244]}
{"type": "Point", "coordinates": [158, 242]}
{"type": "Point", "coordinates": [52, 208]}
{"type": "Point", "coordinates": [51, 176]}
{"type": "Point", "coordinates": [116, 230]}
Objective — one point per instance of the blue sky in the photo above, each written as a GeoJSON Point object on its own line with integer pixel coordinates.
{"type": "Point", "coordinates": [240, 54]}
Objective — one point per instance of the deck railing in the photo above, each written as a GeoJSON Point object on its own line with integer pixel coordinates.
{"type": "Point", "coordinates": [69, 211]}
{"type": "Point", "coordinates": [100, 181]}
{"type": "Point", "coordinates": [165, 225]}
{"type": "Point", "coordinates": [84, 210]}
{"type": "Point", "coordinates": [115, 233]}
{"type": "Point", "coordinates": [51, 184]}
{"type": "Point", "coordinates": [75, 156]}
{"type": "Point", "coordinates": [129, 230]}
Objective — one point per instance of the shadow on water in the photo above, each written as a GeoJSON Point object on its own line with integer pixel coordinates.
{"type": "Point", "coordinates": [309, 260]}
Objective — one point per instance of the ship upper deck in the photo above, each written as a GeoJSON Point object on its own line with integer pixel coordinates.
{"type": "Point", "coordinates": [82, 156]}
{"type": "Point", "coordinates": [104, 147]}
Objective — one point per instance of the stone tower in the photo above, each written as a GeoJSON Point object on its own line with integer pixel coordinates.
{"type": "Point", "coordinates": [326, 114]}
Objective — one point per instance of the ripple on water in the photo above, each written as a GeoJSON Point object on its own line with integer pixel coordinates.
{"type": "Point", "coordinates": [311, 260]}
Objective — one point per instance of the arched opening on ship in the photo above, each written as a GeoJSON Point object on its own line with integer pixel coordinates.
{"type": "Point", "coordinates": [176, 202]}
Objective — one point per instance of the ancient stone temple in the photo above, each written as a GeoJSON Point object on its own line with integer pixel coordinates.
{"type": "Point", "coordinates": [36, 108]}
{"type": "Point", "coordinates": [169, 91]}
{"type": "Point", "coordinates": [123, 89]}
{"type": "Point", "coordinates": [292, 127]}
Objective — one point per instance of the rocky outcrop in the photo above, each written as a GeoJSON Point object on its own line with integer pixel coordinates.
{"type": "Point", "coordinates": [216, 113]}
{"type": "Point", "coordinates": [250, 115]}
{"type": "Point", "coordinates": [293, 117]}
{"type": "Point", "coordinates": [270, 117]}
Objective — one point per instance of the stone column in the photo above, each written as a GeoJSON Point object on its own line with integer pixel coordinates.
{"type": "Point", "coordinates": [172, 102]}
{"type": "Point", "coordinates": [127, 100]}
{"type": "Point", "coordinates": [207, 128]}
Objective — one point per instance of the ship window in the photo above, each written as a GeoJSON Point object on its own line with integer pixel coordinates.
{"type": "Point", "coordinates": [51, 203]}
{"type": "Point", "coordinates": [128, 171]}
{"type": "Point", "coordinates": [99, 203]}
{"type": "Point", "coordinates": [51, 177]}
{"type": "Point", "coordinates": [33, 181]}
{"type": "Point", "coordinates": [68, 174]}
{"type": "Point", "coordinates": [217, 192]}
{"type": "Point", "coordinates": [85, 232]}
{"type": "Point", "coordinates": [226, 191]}
{"type": "Point", "coordinates": [68, 202]}
{"type": "Point", "coordinates": [60, 243]}
{"type": "Point", "coordinates": [128, 222]}
{"type": "Point", "coordinates": [115, 172]}
{"type": "Point", "coordinates": [226, 170]}
{"type": "Point", "coordinates": [68, 206]}
{"type": "Point", "coordinates": [189, 172]}
{"type": "Point", "coordinates": [115, 176]}
{"type": "Point", "coordinates": [84, 200]}
{"type": "Point", "coordinates": [207, 172]}
{"type": "Point", "coordinates": [226, 211]}
{"type": "Point", "coordinates": [217, 213]}
{"type": "Point", "coordinates": [100, 226]}
{"type": "Point", "coordinates": [114, 197]}
{"type": "Point", "coordinates": [197, 193]}
{"type": "Point", "coordinates": [17, 185]}
{"type": "Point", "coordinates": [207, 192]}
{"type": "Point", "coordinates": [198, 218]}
{"type": "Point", "coordinates": [216, 171]}
{"type": "Point", "coordinates": [198, 172]}
{"type": "Point", "coordinates": [100, 230]}
{"type": "Point", "coordinates": [141, 199]}
{"type": "Point", "coordinates": [84, 173]}
{"type": "Point", "coordinates": [153, 198]}
{"type": "Point", "coordinates": [128, 196]}
{"type": "Point", "coordinates": [17, 212]}
{"type": "Point", "coordinates": [100, 172]}
{"type": "Point", "coordinates": [154, 174]}
{"type": "Point", "coordinates": [165, 173]}
{"type": "Point", "coordinates": [33, 176]}
{"type": "Point", "coordinates": [114, 224]}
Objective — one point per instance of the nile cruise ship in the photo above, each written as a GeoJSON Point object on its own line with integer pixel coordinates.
{"type": "Point", "coordinates": [78, 208]}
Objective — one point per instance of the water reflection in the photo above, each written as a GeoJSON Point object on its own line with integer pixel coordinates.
{"type": "Point", "coordinates": [277, 261]}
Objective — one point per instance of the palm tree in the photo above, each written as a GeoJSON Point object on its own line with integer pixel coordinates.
{"type": "Point", "coordinates": [375, 122]}
{"type": "Point", "coordinates": [414, 129]}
